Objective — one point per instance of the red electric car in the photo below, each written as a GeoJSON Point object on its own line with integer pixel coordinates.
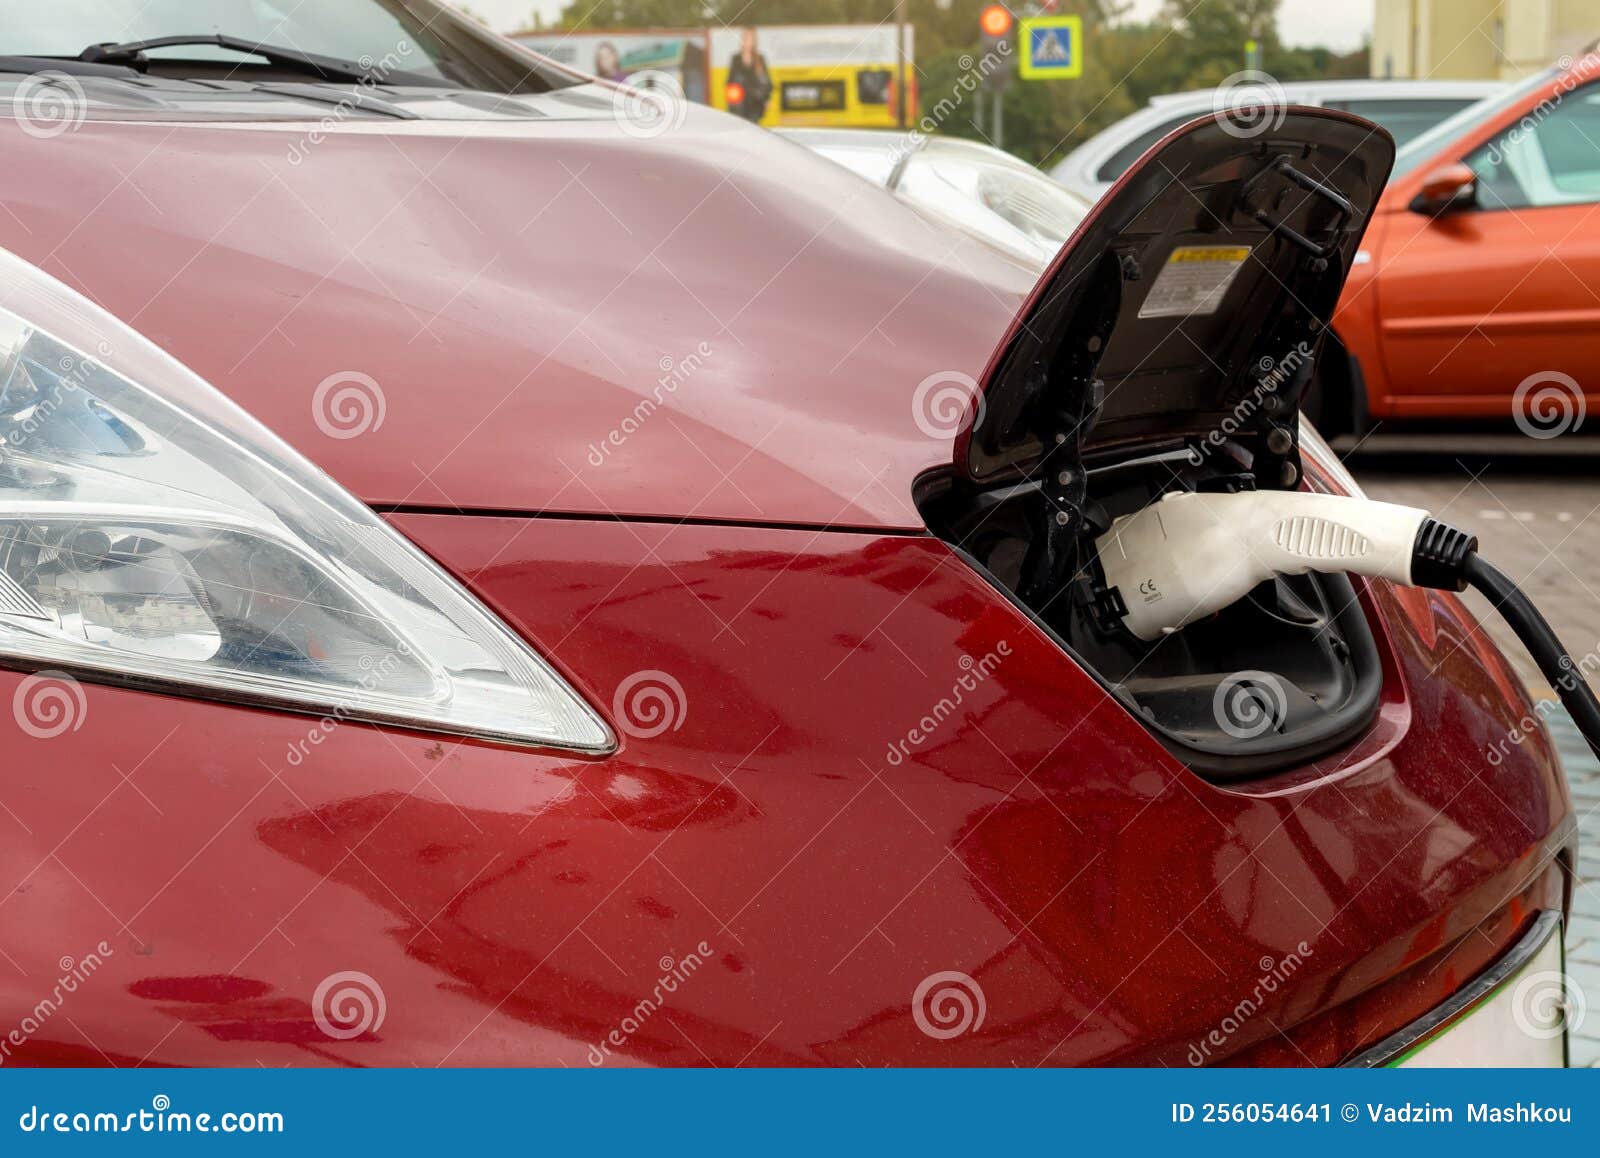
{"type": "Point", "coordinates": [688, 655]}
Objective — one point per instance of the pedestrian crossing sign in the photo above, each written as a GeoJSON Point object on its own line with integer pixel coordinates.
{"type": "Point", "coordinates": [1052, 47]}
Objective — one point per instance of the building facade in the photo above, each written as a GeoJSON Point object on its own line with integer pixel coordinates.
{"type": "Point", "coordinates": [1478, 39]}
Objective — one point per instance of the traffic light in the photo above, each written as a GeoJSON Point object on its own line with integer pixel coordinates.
{"type": "Point", "coordinates": [995, 20]}
{"type": "Point", "coordinates": [999, 58]}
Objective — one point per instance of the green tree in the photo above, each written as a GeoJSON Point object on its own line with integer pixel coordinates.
{"type": "Point", "coordinates": [1210, 37]}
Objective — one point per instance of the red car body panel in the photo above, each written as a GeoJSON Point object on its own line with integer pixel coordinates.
{"type": "Point", "coordinates": [515, 906]}
{"type": "Point", "coordinates": [1455, 310]}
{"type": "Point", "coordinates": [484, 322]}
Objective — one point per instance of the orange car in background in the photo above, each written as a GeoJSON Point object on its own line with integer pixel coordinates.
{"type": "Point", "coordinates": [1476, 294]}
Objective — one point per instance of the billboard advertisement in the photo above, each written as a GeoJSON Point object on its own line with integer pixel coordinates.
{"type": "Point", "coordinates": [797, 75]}
{"type": "Point", "coordinates": [822, 74]}
{"type": "Point", "coordinates": [680, 53]}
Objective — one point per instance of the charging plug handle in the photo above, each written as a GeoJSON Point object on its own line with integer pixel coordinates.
{"type": "Point", "coordinates": [1191, 555]}
{"type": "Point", "coordinates": [1439, 559]}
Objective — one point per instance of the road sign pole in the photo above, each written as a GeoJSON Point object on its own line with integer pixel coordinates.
{"type": "Point", "coordinates": [996, 26]}
{"type": "Point", "coordinates": [900, 62]}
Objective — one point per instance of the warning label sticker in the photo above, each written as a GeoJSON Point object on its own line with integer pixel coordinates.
{"type": "Point", "coordinates": [1194, 281]}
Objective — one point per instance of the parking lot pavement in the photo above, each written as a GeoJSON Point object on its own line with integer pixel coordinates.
{"type": "Point", "coordinates": [1538, 519]}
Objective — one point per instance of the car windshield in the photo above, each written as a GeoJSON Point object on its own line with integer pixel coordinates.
{"type": "Point", "coordinates": [422, 38]}
{"type": "Point", "coordinates": [1422, 148]}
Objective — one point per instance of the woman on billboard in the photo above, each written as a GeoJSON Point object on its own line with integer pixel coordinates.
{"type": "Point", "coordinates": [607, 62]}
{"type": "Point", "coordinates": [749, 83]}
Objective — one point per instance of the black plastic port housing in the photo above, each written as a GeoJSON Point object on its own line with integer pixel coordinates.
{"type": "Point", "coordinates": [1286, 675]}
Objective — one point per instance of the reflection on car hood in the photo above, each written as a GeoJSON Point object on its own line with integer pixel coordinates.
{"type": "Point", "coordinates": [560, 314]}
{"type": "Point", "coordinates": [155, 98]}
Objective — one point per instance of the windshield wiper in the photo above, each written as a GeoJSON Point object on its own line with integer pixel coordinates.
{"type": "Point", "coordinates": [328, 68]}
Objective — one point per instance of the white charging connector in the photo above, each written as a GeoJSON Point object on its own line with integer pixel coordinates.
{"type": "Point", "coordinates": [1189, 555]}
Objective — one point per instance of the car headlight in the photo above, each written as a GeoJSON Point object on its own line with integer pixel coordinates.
{"type": "Point", "coordinates": [154, 534]}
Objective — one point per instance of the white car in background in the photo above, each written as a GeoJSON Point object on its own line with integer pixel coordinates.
{"type": "Point", "coordinates": [986, 192]}
{"type": "Point", "coordinates": [1407, 108]}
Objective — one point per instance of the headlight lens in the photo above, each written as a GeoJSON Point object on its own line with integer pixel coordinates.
{"type": "Point", "coordinates": [152, 533]}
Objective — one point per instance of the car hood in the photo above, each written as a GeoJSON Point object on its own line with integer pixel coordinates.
{"type": "Point", "coordinates": [1190, 303]}
{"type": "Point", "coordinates": [571, 312]}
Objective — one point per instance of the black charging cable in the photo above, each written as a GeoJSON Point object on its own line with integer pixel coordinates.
{"type": "Point", "coordinates": [1447, 558]}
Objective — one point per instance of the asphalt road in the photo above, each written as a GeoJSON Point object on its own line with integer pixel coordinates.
{"type": "Point", "coordinates": [1536, 510]}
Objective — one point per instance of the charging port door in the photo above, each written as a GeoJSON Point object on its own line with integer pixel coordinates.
{"type": "Point", "coordinates": [1190, 302]}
